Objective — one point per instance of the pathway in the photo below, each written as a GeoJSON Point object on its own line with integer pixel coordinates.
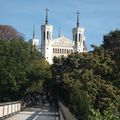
{"type": "Point", "coordinates": [36, 113]}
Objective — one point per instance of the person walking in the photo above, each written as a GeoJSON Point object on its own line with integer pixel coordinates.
{"type": "Point", "coordinates": [43, 100]}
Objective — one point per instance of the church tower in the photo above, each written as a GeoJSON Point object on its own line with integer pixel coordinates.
{"type": "Point", "coordinates": [78, 37]}
{"type": "Point", "coordinates": [46, 38]}
{"type": "Point", "coordinates": [35, 41]}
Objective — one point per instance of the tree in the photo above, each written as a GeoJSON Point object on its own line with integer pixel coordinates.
{"type": "Point", "coordinates": [94, 73]}
{"type": "Point", "coordinates": [112, 45]}
{"type": "Point", "coordinates": [9, 33]}
{"type": "Point", "coordinates": [22, 69]}
{"type": "Point", "coordinates": [14, 60]}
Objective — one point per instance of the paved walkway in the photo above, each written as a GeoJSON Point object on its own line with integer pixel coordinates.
{"type": "Point", "coordinates": [36, 113]}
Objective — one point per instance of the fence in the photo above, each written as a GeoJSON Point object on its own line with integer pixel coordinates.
{"type": "Point", "coordinates": [64, 113]}
{"type": "Point", "coordinates": [9, 108]}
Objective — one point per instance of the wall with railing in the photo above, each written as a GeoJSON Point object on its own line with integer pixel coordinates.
{"type": "Point", "coordinates": [64, 113]}
{"type": "Point", "coordinates": [9, 108]}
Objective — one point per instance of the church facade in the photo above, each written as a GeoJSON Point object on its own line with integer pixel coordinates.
{"type": "Point", "coordinates": [61, 46]}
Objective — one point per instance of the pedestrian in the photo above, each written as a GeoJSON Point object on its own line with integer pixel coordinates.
{"type": "Point", "coordinates": [51, 100]}
{"type": "Point", "coordinates": [43, 99]}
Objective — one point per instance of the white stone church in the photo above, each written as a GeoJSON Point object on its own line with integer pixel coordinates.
{"type": "Point", "coordinates": [61, 46]}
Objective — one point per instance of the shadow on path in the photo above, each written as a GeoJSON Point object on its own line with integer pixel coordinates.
{"type": "Point", "coordinates": [45, 113]}
{"type": "Point", "coordinates": [33, 116]}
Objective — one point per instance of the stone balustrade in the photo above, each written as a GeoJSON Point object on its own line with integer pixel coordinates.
{"type": "Point", "coordinates": [9, 108]}
{"type": "Point", "coordinates": [64, 113]}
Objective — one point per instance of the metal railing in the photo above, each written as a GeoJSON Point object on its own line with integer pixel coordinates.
{"type": "Point", "coordinates": [64, 113]}
{"type": "Point", "coordinates": [9, 108]}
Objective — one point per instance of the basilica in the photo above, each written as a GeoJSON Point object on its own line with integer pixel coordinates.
{"type": "Point", "coordinates": [61, 46]}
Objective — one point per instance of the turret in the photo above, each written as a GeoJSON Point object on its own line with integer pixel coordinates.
{"type": "Point", "coordinates": [46, 31]}
{"type": "Point", "coordinates": [78, 36]}
{"type": "Point", "coordinates": [35, 41]}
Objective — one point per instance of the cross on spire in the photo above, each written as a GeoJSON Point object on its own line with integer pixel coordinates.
{"type": "Point", "coordinates": [78, 13]}
{"type": "Point", "coordinates": [46, 20]}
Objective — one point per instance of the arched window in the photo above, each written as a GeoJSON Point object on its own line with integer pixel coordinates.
{"type": "Point", "coordinates": [53, 50]}
{"type": "Point", "coordinates": [47, 34]}
{"type": "Point", "coordinates": [60, 51]}
{"type": "Point", "coordinates": [79, 36]}
{"type": "Point", "coordinates": [44, 35]}
{"type": "Point", "coordinates": [65, 51]}
{"type": "Point", "coordinates": [76, 37]}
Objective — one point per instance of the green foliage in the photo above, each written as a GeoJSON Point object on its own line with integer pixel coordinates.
{"type": "Point", "coordinates": [112, 46]}
{"type": "Point", "coordinates": [13, 67]}
{"type": "Point", "coordinates": [35, 87]}
{"type": "Point", "coordinates": [39, 74]}
{"type": "Point", "coordinates": [21, 69]}
{"type": "Point", "coordinates": [80, 105]}
{"type": "Point", "coordinates": [111, 113]}
{"type": "Point", "coordinates": [96, 73]}
{"type": "Point", "coordinates": [94, 114]}
{"type": "Point", "coordinates": [88, 83]}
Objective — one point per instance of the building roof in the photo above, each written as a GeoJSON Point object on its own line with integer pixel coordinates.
{"type": "Point", "coordinates": [62, 42]}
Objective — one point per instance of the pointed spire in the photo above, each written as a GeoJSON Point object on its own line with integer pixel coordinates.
{"type": "Point", "coordinates": [59, 32]}
{"type": "Point", "coordinates": [78, 19]}
{"type": "Point", "coordinates": [33, 31]}
{"type": "Point", "coordinates": [46, 20]}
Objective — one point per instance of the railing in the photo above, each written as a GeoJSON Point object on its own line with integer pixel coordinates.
{"type": "Point", "coordinates": [64, 113]}
{"type": "Point", "coordinates": [9, 108]}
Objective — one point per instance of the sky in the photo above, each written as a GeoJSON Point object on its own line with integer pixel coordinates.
{"type": "Point", "coordinates": [97, 17]}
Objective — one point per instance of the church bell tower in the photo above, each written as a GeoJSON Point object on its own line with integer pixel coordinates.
{"type": "Point", "coordinates": [46, 38]}
{"type": "Point", "coordinates": [78, 37]}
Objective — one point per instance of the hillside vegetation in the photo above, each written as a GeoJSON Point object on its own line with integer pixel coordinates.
{"type": "Point", "coordinates": [89, 83]}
